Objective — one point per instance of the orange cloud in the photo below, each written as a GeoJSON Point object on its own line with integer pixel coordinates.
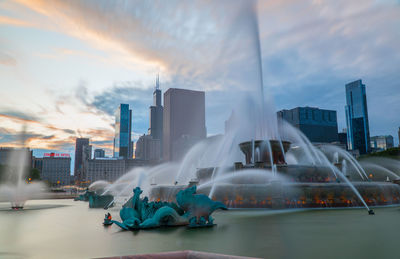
{"type": "Point", "coordinates": [28, 121]}
{"type": "Point", "coordinates": [73, 19]}
{"type": "Point", "coordinates": [16, 118]}
{"type": "Point", "coordinates": [15, 22]}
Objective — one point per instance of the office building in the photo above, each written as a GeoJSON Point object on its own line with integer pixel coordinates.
{"type": "Point", "coordinates": [380, 143]}
{"type": "Point", "coordinates": [156, 114]}
{"type": "Point", "coordinates": [123, 128]}
{"type": "Point", "coordinates": [148, 148]}
{"type": "Point", "coordinates": [79, 144]}
{"type": "Point", "coordinates": [99, 153]}
{"type": "Point", "coordinates": [109, 169]}
{"type": "Point", "coordinates": [318, 125]}
{"type": "Point", "coordinates": [183, 122]}
{"type": "Point", "coordinates": [56, 170]}
{"type": "Point", "coordinates": [357, 117]}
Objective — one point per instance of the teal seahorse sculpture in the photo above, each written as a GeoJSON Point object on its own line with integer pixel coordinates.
{"type": "Point", "coordinates": [96, 200]}
{"type": "Point", "coordinates": [84, 196]}
{"type": "Point", "coordinates": [198, 207]}
{"type": "Point", "coordinates": [191, 209]}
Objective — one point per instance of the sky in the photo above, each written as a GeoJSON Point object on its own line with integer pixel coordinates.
{"type": "Point", "coordinates": [66, 65]}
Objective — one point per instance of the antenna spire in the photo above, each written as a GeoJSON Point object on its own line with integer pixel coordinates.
{"type": "Point", "coordinates": [158, 81]}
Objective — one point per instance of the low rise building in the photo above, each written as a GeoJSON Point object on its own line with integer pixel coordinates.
{"type": "Point", "coordinates": [109, 169]}
{"type": "Point", "coordinates": [380, 143]}
{"type": "Point", "coordinates": [56, 170]}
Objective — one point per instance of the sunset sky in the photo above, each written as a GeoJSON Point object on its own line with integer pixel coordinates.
{"type": "Point", "coordinates": [66, 65]}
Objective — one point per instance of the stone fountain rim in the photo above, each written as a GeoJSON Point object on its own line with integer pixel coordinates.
{"type": "Point", "coordinates": [271, 140]}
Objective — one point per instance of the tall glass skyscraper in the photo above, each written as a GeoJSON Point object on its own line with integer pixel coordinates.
{"type": "Point", "coordinates": [357, 117]}
{"type": "Point", "coordinates": [123, 128]}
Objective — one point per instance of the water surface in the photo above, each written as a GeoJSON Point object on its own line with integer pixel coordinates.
{"type": "Point", "coordinates": [68, 229]}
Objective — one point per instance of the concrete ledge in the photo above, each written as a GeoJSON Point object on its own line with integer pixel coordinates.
{"type": "Point", "coordinates": [186, 254]}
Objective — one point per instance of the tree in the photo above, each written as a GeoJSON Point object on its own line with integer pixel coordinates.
{"type": "Point", "coordinates": [34, 174]}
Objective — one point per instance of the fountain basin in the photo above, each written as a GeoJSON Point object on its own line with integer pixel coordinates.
{"type": "Point", "coordinates": [260, 184]}
{"type": "Point", "coordinates": [279, 195]}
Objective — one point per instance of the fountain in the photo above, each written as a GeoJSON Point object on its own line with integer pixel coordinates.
{"type": "Point", "coordinates": [255, 184]}
{"type": "Point", "coordinates": [16, 189]}
{"type": "Point", "coordinates": [278, 167]}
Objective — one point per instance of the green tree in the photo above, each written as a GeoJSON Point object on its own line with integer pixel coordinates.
{"type": "Point", "coordinates": [34, 174]}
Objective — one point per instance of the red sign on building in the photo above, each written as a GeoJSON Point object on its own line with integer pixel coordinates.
{"type": "Point", "coordinates": [56, 155]}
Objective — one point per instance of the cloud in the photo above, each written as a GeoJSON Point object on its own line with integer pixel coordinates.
{"type": "Point", "coordinates": [20, 115]}
{"type": "Point", "coordinates": [309, 50]}
{"type": "Point", "coordinates": [31, 122]}
{"type": "Point", "coordinates": [105, 144]}
{"type": "Point", "coordinates": [137, 97]}
{"type": "Point", "coordinates": [69, 131]}
{"type": "Point", "coordinates": [4, 20]}
{"type": "Point", "coordinates": [132, 93]}
{"type": "Point", "coordinates": [16, 138]}
{"type": "Point", "coordinates": [103, 104]}
{"type": "Point", "coordinates": [7, 60]}
{"type": "Point", "coordinates": [86, 105]}
{"type": "Point", "coordinates": [184, 40]}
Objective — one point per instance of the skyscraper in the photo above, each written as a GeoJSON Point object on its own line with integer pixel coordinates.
{"type": "Point", "coordinates": [79, 144]}
{"type": "Point", "coordinates": [156, 113]}
{"type": "Point", "coordinates": [123, 128]}
{"type": "Point", "coordinates": [357, 117]}
{"type": "Point", "coordinates": [184, 121]}
{"type": "Point", "coordinates": [149, 147]}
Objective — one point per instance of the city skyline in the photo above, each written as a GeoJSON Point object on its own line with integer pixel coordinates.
{"type": "Point", "coordinates": [63, 88]}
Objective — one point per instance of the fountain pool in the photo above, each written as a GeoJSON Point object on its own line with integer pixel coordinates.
{"type": "Point", "coordinates": [68, 229]}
